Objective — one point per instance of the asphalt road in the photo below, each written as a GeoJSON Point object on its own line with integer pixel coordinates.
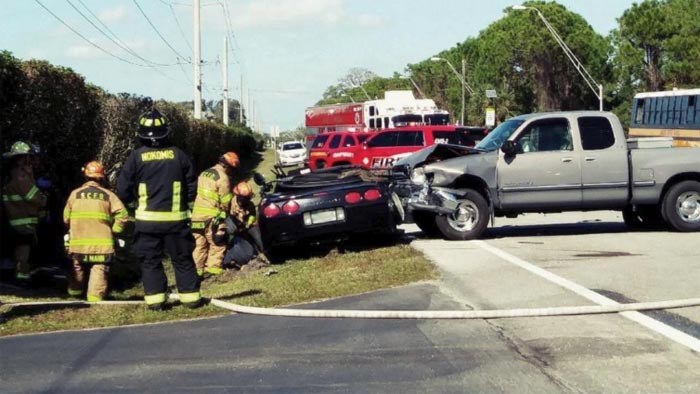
{"type": "Point", "coordinates": [574, 354]}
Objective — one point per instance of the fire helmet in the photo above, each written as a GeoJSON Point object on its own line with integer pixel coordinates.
{"type": "Point", "coordinates": [94, 170]}
{"type": "Point", "coordinates": [230, 159]}
{"type": "Point", "coordinates": [243, 189]}
{"type": "Point", "coordinates": [20, 148]}
{"type": "Point", "coordinates": [153, 126]}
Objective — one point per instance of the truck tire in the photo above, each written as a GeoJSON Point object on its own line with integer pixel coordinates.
{"type": "Point", "coordinates": [469, 220]}
{"type": "Point", "coordinates": [681, 206]}
{"type": "Point", "coordinates": [426, 223]}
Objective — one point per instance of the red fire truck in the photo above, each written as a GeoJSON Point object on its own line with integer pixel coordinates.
{"type": "Point", "coordinates": [398, 108]}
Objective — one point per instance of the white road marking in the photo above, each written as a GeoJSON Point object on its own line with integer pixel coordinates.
{"type": "Point", "coordinates": [652, 324]}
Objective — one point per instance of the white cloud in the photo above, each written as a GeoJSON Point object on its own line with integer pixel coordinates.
{"type": "Point", "coordinates": [113, 14]}
{"type": "Point", "coordinates": [82, 51]}
{"type": "Point", "coordinates": [367, 20]}
{"type": "Point", "coordinates": [265, 13]}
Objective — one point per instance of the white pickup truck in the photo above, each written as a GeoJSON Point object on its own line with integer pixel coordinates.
{"type": "Point", "coordinates": [552, 162]}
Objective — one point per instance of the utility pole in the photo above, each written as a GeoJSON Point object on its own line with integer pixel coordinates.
{"type": "Point", "coordinates": [464, 78]}
{"type": "Point", "coordinates": [225, 77]}
{"type": "Point", "coordinates": [197, 63]}
{"type": "Point", "coordinates": [249, 108]}
{"type": "Point", "coordinates": [240, 104]}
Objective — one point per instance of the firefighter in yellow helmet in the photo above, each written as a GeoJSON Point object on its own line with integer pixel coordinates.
{"type": "Point", "coordinates": [93, 215]}
{"type": "Point", "coordinates": [23, 202]}
{"type": "Point", "coordinates": [210, 210]}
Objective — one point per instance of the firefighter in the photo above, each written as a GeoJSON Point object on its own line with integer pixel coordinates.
{"type": "Point", "coordinates": [160, 177]}
{"type": "Point", "coordinates": [22, 201]}
{"type": "Point", "coordinates": [93, 215]}
{"type": "Point", "coordinates": [243, 225]}
{"type": "Point", "coordinates": [210, 210]}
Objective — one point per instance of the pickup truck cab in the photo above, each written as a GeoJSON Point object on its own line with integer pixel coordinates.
{"type": "Point", "coordinates": [389, 146]}
{"type": "Point", "coordinates": [553, 162]}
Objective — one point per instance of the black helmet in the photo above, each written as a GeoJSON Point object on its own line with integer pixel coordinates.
{"type": "Point", "coordinates": [153, 126]}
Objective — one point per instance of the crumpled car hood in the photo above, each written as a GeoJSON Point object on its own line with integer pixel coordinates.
{"type": "Point", "coordinates": [434, 153]}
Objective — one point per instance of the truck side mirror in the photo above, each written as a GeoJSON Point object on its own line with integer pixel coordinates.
{"type": "Point", "coordinates": [508, 147]}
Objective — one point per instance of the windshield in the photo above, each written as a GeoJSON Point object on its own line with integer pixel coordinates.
{"type": "Point", "coordinates": [293, 146]}
{"type": "Point", "coordinates": [437, 119]}
{"type": "Point", "coordinates": [495, 138]}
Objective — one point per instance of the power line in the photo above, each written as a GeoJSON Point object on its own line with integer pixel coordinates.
{"type": "Point", "coordinates": [115, 40]}
{"type": "Point", "coordinates": [182, 32]}
{"type": "Point", "coordinates": [87, 40]}
{"type": "Point", "coordinates": [158, 32]}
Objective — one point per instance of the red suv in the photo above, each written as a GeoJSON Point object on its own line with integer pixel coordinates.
{"type": "Point", "coordinates": [336, 148]}
{"type": "Point", "coordinates": [383, 149]}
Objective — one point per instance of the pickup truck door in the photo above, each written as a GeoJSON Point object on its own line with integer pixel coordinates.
{"type": "Point", "coordinates": [545, 173]}
{"type": "Point", "coordinates": [604, 164]}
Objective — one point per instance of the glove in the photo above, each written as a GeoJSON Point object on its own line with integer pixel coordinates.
{"type": "Point", "coordinates": [43, 183]}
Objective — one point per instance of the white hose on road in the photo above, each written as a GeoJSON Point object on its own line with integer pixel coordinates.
{"type": "Point", "coordinates": [484, 314]}
{"type": "Point", "coordinates": [409, 314]}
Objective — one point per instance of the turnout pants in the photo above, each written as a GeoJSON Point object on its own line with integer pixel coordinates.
{"type": "Point", "coordinates": [97, 282]}
{"type": "Point", "coordinates": [208, 255]}
{"type": "Point", "coordinates": [22, 254]}
{"type": "Point", "coordinates": [150, 249]}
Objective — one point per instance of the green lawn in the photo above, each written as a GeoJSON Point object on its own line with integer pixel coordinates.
{"type": "Point", "coordinates": [304, 275]}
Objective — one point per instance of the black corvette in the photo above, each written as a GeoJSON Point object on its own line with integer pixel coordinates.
{"type": "Point", "coordinates": [329, 204]}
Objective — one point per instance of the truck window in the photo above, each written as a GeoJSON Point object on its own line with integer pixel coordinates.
{"type": "Point", "coordinates": [349, 141]}
{"type": "Point", "coordinates": [410, 138]}
{"type": "Point", "coordinates": [319, 141]}
{"type": "Point", "coordinates": [362, 138]}
{"type": "Point", "coordinates": [448, 137]}
{"type": "Point", "coordinates": [596, 132]}
{"type": "Point", "coordinates": [546, 135]}
{"type": "Point", "coordinates": [383, 140]}
{"type": "Point", "coordinates": [335, 142]}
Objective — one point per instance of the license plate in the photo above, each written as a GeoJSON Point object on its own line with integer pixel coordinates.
{"type": "Point", "coordinates": [324, 216]}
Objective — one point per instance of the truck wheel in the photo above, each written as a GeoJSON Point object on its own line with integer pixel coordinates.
{"type": "Point", "coordinates": [426, 222]}
{"type": "Point", "coordinates": [469, 219]}
{"type": "Point", "coordinates": [682, 206]}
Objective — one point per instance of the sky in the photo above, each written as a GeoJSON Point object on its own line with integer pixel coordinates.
{"type": "Point", "coordinates": [284, 52]}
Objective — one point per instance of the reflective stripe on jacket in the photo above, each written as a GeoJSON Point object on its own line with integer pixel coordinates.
{"type": "Point", "coordinates": [23, 202]}
{"type": "Point", "coordinates": [163, 183]}
{"type": "Point", "coordinates": [93, 214]}
{"type": "Point", "coordinates": [243, 213]}
{"type": "Point", "coordinates": [213, 195]}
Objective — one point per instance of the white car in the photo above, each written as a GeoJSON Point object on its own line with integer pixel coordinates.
{"type": "Point", "coordinates": [291, 153]}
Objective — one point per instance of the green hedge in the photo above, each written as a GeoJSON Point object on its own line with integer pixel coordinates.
{"type": "Point", "coordinates": [74, 122]}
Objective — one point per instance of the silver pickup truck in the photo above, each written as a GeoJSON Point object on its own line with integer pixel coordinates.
{"type": "Point", "coordinates": [551, 162]}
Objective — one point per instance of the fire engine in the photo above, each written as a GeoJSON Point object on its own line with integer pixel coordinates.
{"type": "Point", "coordinates": [398, 108]}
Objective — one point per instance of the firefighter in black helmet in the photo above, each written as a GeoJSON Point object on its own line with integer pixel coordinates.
{"type": "Point", "coordinates": [159, 179]}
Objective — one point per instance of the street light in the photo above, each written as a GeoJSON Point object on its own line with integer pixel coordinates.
{"type": "Point", "coordinates": [574, 60]}
{"type": "Point", "coordinates": [415, 85]}
{"type": "Point", "coordinates": [461, 77]}
{"type": "Point", "coordinates": [359, 85]}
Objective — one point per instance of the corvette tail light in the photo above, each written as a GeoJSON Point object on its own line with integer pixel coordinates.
{"type": "Point", "coordinates": [372, 195]}
{"type": "Point", "coordinates": [271, 210]}
{"type": "Point", "coordinates": [353, 198]}
{"type": "Point", "coordinates": [290, 207]}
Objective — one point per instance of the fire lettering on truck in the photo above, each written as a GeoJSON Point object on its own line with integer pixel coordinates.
{"type": "Point", "coordinates": [343, 155]}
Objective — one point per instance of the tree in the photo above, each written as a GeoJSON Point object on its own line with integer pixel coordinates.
{"type": "Point", "coordinates": [518, 56]}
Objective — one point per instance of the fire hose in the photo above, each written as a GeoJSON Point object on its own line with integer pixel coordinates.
{"type": "Point", "coordinates": [411, 314]}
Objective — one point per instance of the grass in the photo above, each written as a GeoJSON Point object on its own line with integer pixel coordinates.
{"type": "Point", "coordinates": [306, 274]}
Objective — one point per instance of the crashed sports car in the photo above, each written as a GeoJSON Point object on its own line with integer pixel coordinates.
{"type": "Point", "coordinates": [329, 204]}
